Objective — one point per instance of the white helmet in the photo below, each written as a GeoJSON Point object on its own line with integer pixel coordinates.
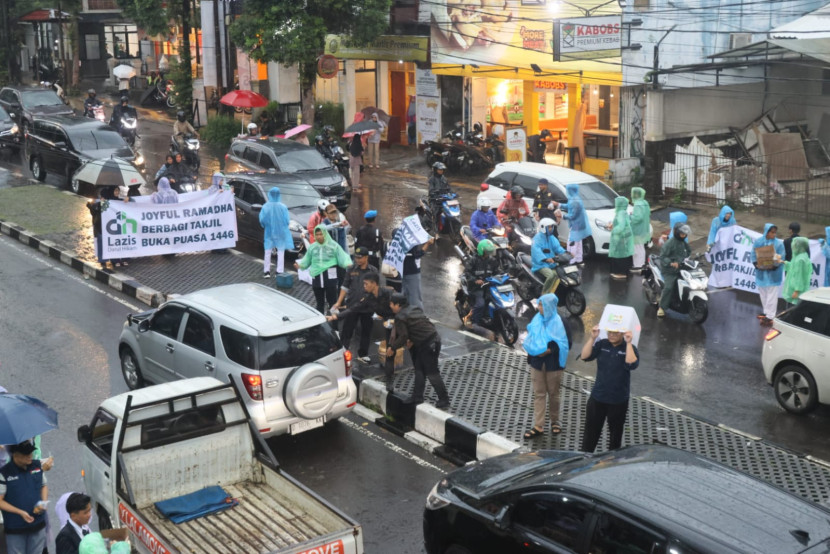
{"type": "Point", "coordinates": [252, 126]}
{"type": "Point", "coordinates": [546, 222]}
{"type": "Point", "coordinates": [322, 205]}
{"type": "Point", "coordinates": [484, 203]}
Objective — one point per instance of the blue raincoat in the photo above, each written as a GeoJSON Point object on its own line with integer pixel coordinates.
{"type": "Point", "coordinates": [545, 328]}
{"type": "Point", "coordinates": [542, 242]}
{"type": "Point", "coordinates": [772, 277]}
{"type": "Point", "coordinates": [576, 215]}
{"type": "Point", "coordinates": [164, 194]}
{"type": "Point", "coordinates": [481, 221]}
{"type": "Point", "coordinates": [274, 219]}
{"type": "Point", "coordinates": [674, 219]}
{"type": "Point", "coordinates": [719, 222]}
{"type": "Point", "coordinates": [825, 249]}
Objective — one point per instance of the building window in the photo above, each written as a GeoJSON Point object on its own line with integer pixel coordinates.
{"type": "Point", "coordinates": [122, 41]}
{"type": "Point", "coordinates": [109, 5]}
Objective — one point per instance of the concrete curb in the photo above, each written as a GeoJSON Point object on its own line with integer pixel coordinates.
{"type": "Point", "coordinates": [446, 435]}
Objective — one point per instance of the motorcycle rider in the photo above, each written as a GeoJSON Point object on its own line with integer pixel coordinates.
{"type": "Point", "coordinates": [438, 186]}
{"type": "Point", "coordinates": [90, 102]}
{"type": "Point", "coordinates": [122, 110]}
{"type": "Point", "coordinates": [178, 173]}
{"type": "Point", "coordinates": [513, 207]}
{"type": "Point", "coordinates": [253, 130]}
{"type": "Point", "coordinates": [267, 126]}
{"type": "Point", "coordinates": [672, 255]}
{"type": "Point", "coordinates": [318, 216]}
{"type": "Point", "coordinates": [182, 127]}
{"type": "Point", "coordinates": [321, 147]}
{"type": "Point", "coordinates": [164, 170]}
{"type": "Point", "coordinates": [476, 270]}
{"type": "Point", "coordinates": [483, 219]}
{"type": "Point", "coordinates": [537, 146]}
{"type": "Point", "coordinates": [543, 201]}
{"type": "Point", "coordinates": [542, 251]}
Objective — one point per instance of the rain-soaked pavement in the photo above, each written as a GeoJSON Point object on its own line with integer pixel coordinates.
{"type": "Point", "coordinates": [712, 370]}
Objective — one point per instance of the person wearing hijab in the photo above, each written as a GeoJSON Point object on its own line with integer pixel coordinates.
{"type": "Point", "coordinates": [374, 142]}
{"type": "Point", "coordinates": [164, 194]}
{"type": "Point", "coordinates": [825, 249]}
{"type": "Point", "coordinates": [621, 247]}
{"type": "Point", "coordinates": [726, 218]}
{"type": "Point", "coordinates": [274, 219]}
{"type": "Point", "coordinates": [768, 279]}
{"type": "Point", "coordinates": [797, 271]}
{"type": "Point", "coordinates": [640, 221]}
{"type": "Point", "coordinates": [322, 258]}
{"type": "Point", "coordinates": [217, 182]}
{"type": "Point", "coordinates": [580, 227]}
{"type": "Point", "coordinates": [164, 169]}
{"type": "Point", "coordinates": [547, 346]}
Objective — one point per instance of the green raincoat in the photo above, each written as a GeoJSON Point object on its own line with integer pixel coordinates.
{"type": "Point", "coordinates": [641, 216]}
{"type": "Point", "coordinates": [320, 257]}
{"type": "Point", "coordinates": [798, 271]}
{"type": "Point", "coordinates": [622, 238]}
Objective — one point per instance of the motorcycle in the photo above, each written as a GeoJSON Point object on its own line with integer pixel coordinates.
{"type": "Point", "coordinates": [498, 235]}
{"type": "Point", "coordinates": [190, 152]}
{"type": "Point", "coordinates": [184, 184]}
{"type": "Point", "coordinates": [334, 153]}
{"type": "Point", "coordinates": [448, 220]}
{"type": "Point", "coordinates": [499, 317]}
{"type": "Point", "coordinates": [127, 127]}
{"type": "Point", "coordinates": [494, 149]}
{"type": "Point", "coordinates": [522, 233]}
{"type": "Point", "coordinates": [529, 285]}
{"type": "Point", "coordinates": [690, 293]}
{"type": "Point", "coordinates": [435, 151]}
{"type": "Point", "coordinates": [96, 112]}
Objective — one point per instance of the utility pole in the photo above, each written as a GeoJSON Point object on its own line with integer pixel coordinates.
{"type": "Point", "coordinates": [60, 38]}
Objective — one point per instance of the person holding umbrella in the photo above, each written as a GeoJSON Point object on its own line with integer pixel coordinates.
{"type": "Point", "coordinates": [96, 209]}
{"type": "Point", "coordinates": [23, 498]}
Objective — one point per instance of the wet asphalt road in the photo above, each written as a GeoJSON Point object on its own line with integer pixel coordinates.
{"type": "Point", "coordinates": [72, 364]}
{"type": "Point", "coordinates": [712, 371]}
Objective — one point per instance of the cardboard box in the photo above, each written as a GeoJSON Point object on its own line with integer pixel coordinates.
{"type": "Point", "coordinates": [382, 355]}
{"type": "Point", "coordinates": [620, 318]}
{"type": "Point", "coordinates": [765, 256]}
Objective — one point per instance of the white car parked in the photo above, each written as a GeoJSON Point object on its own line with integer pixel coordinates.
{"type": "Point", "coordinates": [796, 354]}
{"type": "Point", "coordinates": [596, 195]}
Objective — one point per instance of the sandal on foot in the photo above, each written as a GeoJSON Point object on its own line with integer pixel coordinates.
{"type": "Point", "coordinates": [555, 428]}
{"type": "Point", "coordinates": [533, 433]}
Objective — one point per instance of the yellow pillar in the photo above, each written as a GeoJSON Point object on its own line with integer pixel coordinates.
{"type": "Point", "coordinates": [530, 99]}
{"type": "Point", "coordinates": [574, 98]}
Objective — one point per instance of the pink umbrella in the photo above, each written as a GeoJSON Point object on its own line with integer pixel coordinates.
{"type": "Point", "coordinates": [297, 130]}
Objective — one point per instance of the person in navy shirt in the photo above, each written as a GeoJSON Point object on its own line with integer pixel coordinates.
{"type": "Point", "coordinates": [616, 358]}
{"type": "Point", "coordinates": [23, 495]}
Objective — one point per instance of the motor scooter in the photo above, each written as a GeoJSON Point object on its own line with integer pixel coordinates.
{"type": "Point", "coordinates": [522, 232]}
{"type": "Point", "coordinates": [529, 284]}
{"type": "Point", "coordinates": [498, 235]}
{"type": "Point", "coordinates": [96, 112]}
{"type": "Point", "coordinates": [690, 292]}
{"type": "Point", "coordinates": [448, 218]}
{"type": "Point", "coordinates": [334, 153]}
{"type": "Point", "coordinates": [498, 317]}
{"type": "Point", "coordinates": [189, 152]}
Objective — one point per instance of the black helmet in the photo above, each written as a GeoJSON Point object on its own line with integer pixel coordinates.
{"type": "Point", "coordinates": [438, 165]}
{"type": "Point", "coordinates": [477, 128]}
{"type": "Point", "coordinates": [517, 192]}
{"type": "Point", "coordinates": [125, 99]}
{"type": "Point", "coordinates": [180, 115]}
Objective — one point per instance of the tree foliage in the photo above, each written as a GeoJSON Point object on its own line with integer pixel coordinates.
{"type": "Point", "coordinates": [154, 16]}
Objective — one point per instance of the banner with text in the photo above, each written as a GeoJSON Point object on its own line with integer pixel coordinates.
{"type": "Point", "coordinates": [731, 254]}
{"type": "Point", "coordinates": [409, 234]}
{"type": "Point", "coordinates": [198, 222]}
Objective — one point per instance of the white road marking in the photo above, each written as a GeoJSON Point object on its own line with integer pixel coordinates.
{"type": "Point", "coordinates": [72, 275]}
{"type": "Point", "coordinates": [391, 446]}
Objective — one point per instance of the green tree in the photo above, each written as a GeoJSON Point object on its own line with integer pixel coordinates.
{"type": "Point", "coordinates": [154, 16]}
{"type": "Point", "coordinates": [294, 31]}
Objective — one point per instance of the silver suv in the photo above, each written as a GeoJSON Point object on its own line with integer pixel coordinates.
{"type": "Point", "coordinates": [280, 351]}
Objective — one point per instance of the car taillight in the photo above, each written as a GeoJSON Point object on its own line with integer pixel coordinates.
{"type": "Point", "coordinates": [484, 186]}
{"type": "Point", "coordinates": [348, 361]}
{"type": "Point", "coordinates": [253, 384]}
{"type": "Point", "coordinates": [772, 334]}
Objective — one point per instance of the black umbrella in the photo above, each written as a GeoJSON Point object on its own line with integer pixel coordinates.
{"type": "Point", "coordinates": [113, 172]}
{"type": "Point", "coordinates": [361, 128]}
{"type": "Point", "coordinates": [24, 417]}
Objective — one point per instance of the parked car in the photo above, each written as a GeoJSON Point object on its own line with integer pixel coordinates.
{"type": "Point", "coordinates": [282, 156]}
{"type": "Point", "coordinates": [285, 356]}
{"type": "Point", "coordinates": [62, 144]}
{"type": "Point", "coordinates": [9, 132]}
{"type": "Point", "coordinates": [596, 195]}
{"type": "Point", "coordinates": [251, 191]}
{"type": "Point", "coordinates": [648, 499]}
{"type": "Point", "coordinates": [796, 353]}
{"type": "Point", "coordinates": [25, 103]}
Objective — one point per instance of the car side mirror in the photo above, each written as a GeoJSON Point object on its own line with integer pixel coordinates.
{"type": "Point", "coordinates": [84, 433]}
{"type": "Point", "coordinates": [502, 518]}
{"type": "Point", "coordinates": [61, 145]}
{"type": "Point", "coordinates": [144, 326]}
{"type": "Point", "coordinates": [256, 207]}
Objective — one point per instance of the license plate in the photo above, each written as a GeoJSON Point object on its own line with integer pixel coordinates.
{"type": "Point", "coordinates": [306, 425]}
{"type": "Point", "coordinates": [571, 269]}
{"type": "Point", "coordinates": [452, 202]}
{"type": "Point", "coordinates": [332, 199]}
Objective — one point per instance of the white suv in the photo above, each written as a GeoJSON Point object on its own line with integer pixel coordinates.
{"type": "Point", "coordinates": [596, 195]}
{"type": "Point", "coordinates": [284, 356]}
{"type": "Point", "coordinates": [796, 354]}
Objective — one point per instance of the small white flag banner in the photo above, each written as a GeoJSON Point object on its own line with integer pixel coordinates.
{"type": "Point", "coordinates": [198, 222]}
{"type": "Point", "coordinates": [409, 234]}
{"type": "Point", "coordinates": [731, 257]}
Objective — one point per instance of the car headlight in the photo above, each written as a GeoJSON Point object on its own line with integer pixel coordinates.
{"type": "Point", "coordinates": [15, 129]}
{"type": "Point", "coordinates": [344, 183]}
{"type": "Point", "coordinates": [139, 160]}
{"type": "Point", "coordinates": [189, 187]}
{"type": "Point", "coordinates": [295, 226]}
{"type": "Point", "coordinates": [435, 501]}
{"type": "Point", "coordinates": [601, 224]}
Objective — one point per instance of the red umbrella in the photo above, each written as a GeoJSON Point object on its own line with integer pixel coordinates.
{"type": "Point", "coordinates": [244, 99]}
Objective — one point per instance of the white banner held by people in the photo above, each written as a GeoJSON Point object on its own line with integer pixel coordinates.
{"type": "Point", "coordinates": [731, 257]}
{"type": "Point", "coordinates": [410, 234]}
{"type": "Point", "coordinates": [198, 222]}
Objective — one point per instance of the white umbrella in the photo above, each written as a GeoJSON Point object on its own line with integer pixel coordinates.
{"type": "Point", "coordinates": [124, 71]}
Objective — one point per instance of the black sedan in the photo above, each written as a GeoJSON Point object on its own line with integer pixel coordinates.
{"type": "Point", "coordinates": [292, 162]}
{"type": "Point", "coordinates": [637, 500]}
{"type": "Point", "coordinates": [26, 103]}
{"type": "Point", "coordinates": [10, 135]}
{"type": "Point", "coordinates": [251, 191]}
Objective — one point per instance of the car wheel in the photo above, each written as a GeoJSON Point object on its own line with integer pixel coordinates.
{"type": "Point", "coordinates": [589, 249]}
{"type": "Point", "coordinates": [131, 370]}
{"type": "Point", "coordinates": [37, 169]}
{"type": "Point", "coordinates": [795, 389]}
{"type": "Point", "coordinates": [456, 549]}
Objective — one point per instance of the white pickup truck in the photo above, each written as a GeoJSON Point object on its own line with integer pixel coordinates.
{"type": "Point", "coordinates": [165, 441]}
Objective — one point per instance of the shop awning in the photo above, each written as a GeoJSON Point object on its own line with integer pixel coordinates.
{"type": "Point", "coordinates": [808, 35]}
{"type": "Point", "coordinates": [43, 16]}
{"type": "Point", "coordinates": [564, 75]}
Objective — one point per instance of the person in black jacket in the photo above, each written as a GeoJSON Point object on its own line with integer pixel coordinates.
{"type": "Point", "coordinates": [476, 270]}
{"type": "Point", "coordinates": [374, 300]}
{"type": "Point", "coordinates": [79, 507]}
{"type": "Point", "coordinates": [413, 327]}
{"type": "Point", "coordinates": [369, 237]}
{"type": "Point", "coordinates": [543, 201]}
{"type": "Point", "coordinates": [351, 291]}
{"type": "Point", "coordinates": [795, 229]}
{"type": "Point", "coordinates": [537, 146]}
{"type": "Point", "coordinates": [355, 159]}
